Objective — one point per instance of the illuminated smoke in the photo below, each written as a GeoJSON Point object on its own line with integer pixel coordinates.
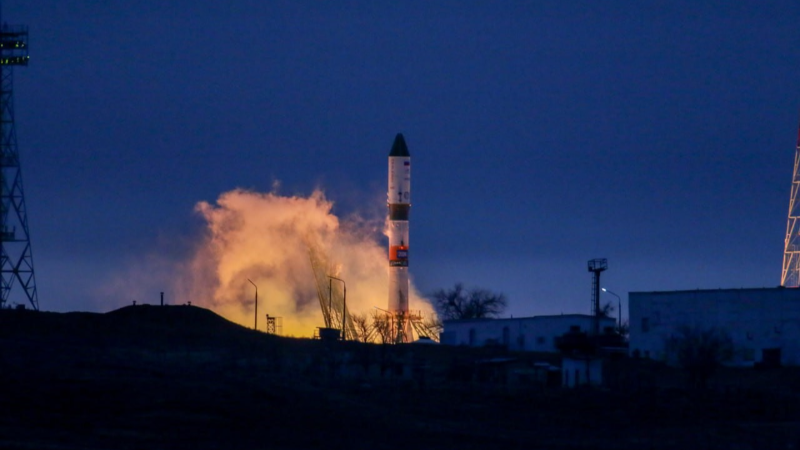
{"type": "Point", "coordinates": [265, 237]}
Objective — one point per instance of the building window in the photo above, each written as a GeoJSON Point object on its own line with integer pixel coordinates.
{"type": "Point", "coordinates": [506, 337]}
{"type": "Point", "coordinates": [540, 340]}
{"type": "Point", "coordinates": [471, 337]}
{"type": "Point", "coordinates": [645, 324]}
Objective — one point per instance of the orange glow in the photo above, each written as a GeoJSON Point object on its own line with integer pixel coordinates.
{"type": "Point", "coordinates": [266, 237]}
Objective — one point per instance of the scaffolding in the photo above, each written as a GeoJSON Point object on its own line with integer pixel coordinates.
{"type": "Point", "coordinates": [274, 325]}
{"type": "Point", "coordinates": [332, 294]}
{"type": "Point", "coordinates": [402, 327]}
{"type": "Point", "coordinates": [790, 275]}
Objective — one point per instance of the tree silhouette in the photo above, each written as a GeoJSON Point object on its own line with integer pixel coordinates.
{"type": "Point", "coordinates": [473, 303]}
{"type": "Point", "coordinates": [699, 351]}
{"type": "Point", "coordinates": [365, 329]}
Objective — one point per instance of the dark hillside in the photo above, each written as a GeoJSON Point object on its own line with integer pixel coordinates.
{"type": "Point", "coordinates": [183, 377]}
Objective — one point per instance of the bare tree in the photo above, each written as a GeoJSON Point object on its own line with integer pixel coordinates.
{"type": "Point", "coordinates": [382, 326]}
{"type": "Point", "coordinates": [365, 329]}
{"type": "Point", "coordinates": [623, 329]}
{"type": "Point", "coordinates": [699, 352]}
{"type": "Point", "coordinates": [607, 309]}
{"type": "Point", "coordinates": [473, 303]}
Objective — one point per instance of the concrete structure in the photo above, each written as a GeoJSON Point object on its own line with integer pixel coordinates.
{"type": "Point", "coordinates": [529, 334]}
{"type": "Point", "coordinates": [763, 324]}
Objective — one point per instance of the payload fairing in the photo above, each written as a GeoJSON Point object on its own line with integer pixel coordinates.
{"type": "Point", "coordinates": [399, 203]}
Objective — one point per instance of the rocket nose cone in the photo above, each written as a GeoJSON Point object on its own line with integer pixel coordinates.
{"type": "Point", "coordinates": [399, 147]}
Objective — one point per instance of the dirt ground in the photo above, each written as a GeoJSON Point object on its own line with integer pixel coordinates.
{"type": "Point", "coordinates": [182, 377]}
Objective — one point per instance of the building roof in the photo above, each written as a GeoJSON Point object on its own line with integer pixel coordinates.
{"type": "Point", "coordinates": [545, 317]}
{"type": "Point", "coordinates": [761, 289]}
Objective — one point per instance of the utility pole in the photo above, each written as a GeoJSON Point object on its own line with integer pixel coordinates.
{"type": "Point", "coordinates": [619, 307]}
{"type": "Point", "coordinates": [255, 324]}
{"type": "Point", "coordinates": [344, 304]}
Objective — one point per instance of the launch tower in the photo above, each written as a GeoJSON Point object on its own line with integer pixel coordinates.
{"type": "Point", "coordinates": [790, 275]}
{"type": "Point", "coordinates": [17, 258]}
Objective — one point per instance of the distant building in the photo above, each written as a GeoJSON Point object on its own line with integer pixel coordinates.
{"type": "Point", "coordinates": [528, 334]}
{"type": "Point", "coordinates": [763, 324]}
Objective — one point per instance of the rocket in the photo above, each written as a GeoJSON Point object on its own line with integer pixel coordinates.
{"type": "Point", "coordinates": [399, 204]}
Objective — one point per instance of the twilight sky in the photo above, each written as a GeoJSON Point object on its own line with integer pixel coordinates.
{"type": "Point", "coordinates": [659, 135]}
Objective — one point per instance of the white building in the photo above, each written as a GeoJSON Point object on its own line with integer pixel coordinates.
{"type": "Point", "coordinates": [763, 324]}
{"type": "Point", "coordinates": [531, 334]}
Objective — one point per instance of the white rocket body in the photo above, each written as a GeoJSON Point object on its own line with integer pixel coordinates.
{"type": "Point", "coordinates": [399, 203]}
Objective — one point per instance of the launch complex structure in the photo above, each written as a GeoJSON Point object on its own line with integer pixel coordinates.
{"type": "Point", "coordinates": [790, 275]}
{"type": "Point", "coordinates": [396, 324]}
{"type": "Point", "coordinates": [398, 199]}
{"type": "Point", "coordinates": [15, 241]}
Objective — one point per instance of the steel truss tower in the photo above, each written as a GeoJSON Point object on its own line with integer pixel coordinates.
{"type": "Point", "coordinates": [17, 258]}
{"type": "Point", "coordinates": [790, 275]}
{"type": "Point", "coordinates": [596, 266]}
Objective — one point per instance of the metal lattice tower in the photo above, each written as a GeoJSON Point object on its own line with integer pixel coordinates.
{"type": "Point", "coordinates": [17, 258]}
{"type": "Point", "coordinates": [790, 275]}
{"type": "Point", "coordinates": [596, 266]}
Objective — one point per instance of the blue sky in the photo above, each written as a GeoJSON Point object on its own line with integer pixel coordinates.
{"type": "Point", "coordinates": [659, 135]}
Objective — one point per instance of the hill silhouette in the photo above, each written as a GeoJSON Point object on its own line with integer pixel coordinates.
{"type": "Point", "coordinates": [142, 326]}
{"type": "Point", "coordinates": [160, 377]}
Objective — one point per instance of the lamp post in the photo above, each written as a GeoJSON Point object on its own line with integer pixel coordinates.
{"type": "Point", "coordinates": [344, 303]}
{"type": "Point", "coordinates": [255, 325]}
{"type": "Point", "coordinates": [619, 306]}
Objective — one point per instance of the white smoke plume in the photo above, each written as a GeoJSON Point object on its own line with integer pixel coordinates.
{"type": "Point", "coordinates": [265, 237]}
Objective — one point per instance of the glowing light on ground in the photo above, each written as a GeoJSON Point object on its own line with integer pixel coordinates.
{"type": "Point", "coordinates": [266, 237]}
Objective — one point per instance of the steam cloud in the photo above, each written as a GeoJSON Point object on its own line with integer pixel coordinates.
{"type": "Point", "coordinates": [265, 237]}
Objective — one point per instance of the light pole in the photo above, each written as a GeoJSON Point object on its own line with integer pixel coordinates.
{"type": "Point", "coordinates": [619, 306]}
{"type": "Point", "coordinates": [255, 325]}
{"type": "Point", "coordinates": [344, 303]}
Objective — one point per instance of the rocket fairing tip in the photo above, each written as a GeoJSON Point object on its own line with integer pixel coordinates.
{"type": "Point", "coordinates": [399, 147]}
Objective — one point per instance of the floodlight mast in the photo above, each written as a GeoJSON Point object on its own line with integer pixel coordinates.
{"type": "Point", "coordinates": [790, 275]}
{"type": "Point", "coordinates": [596, 266]}
{"type": "Point", "coordinates": [17, 257]}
